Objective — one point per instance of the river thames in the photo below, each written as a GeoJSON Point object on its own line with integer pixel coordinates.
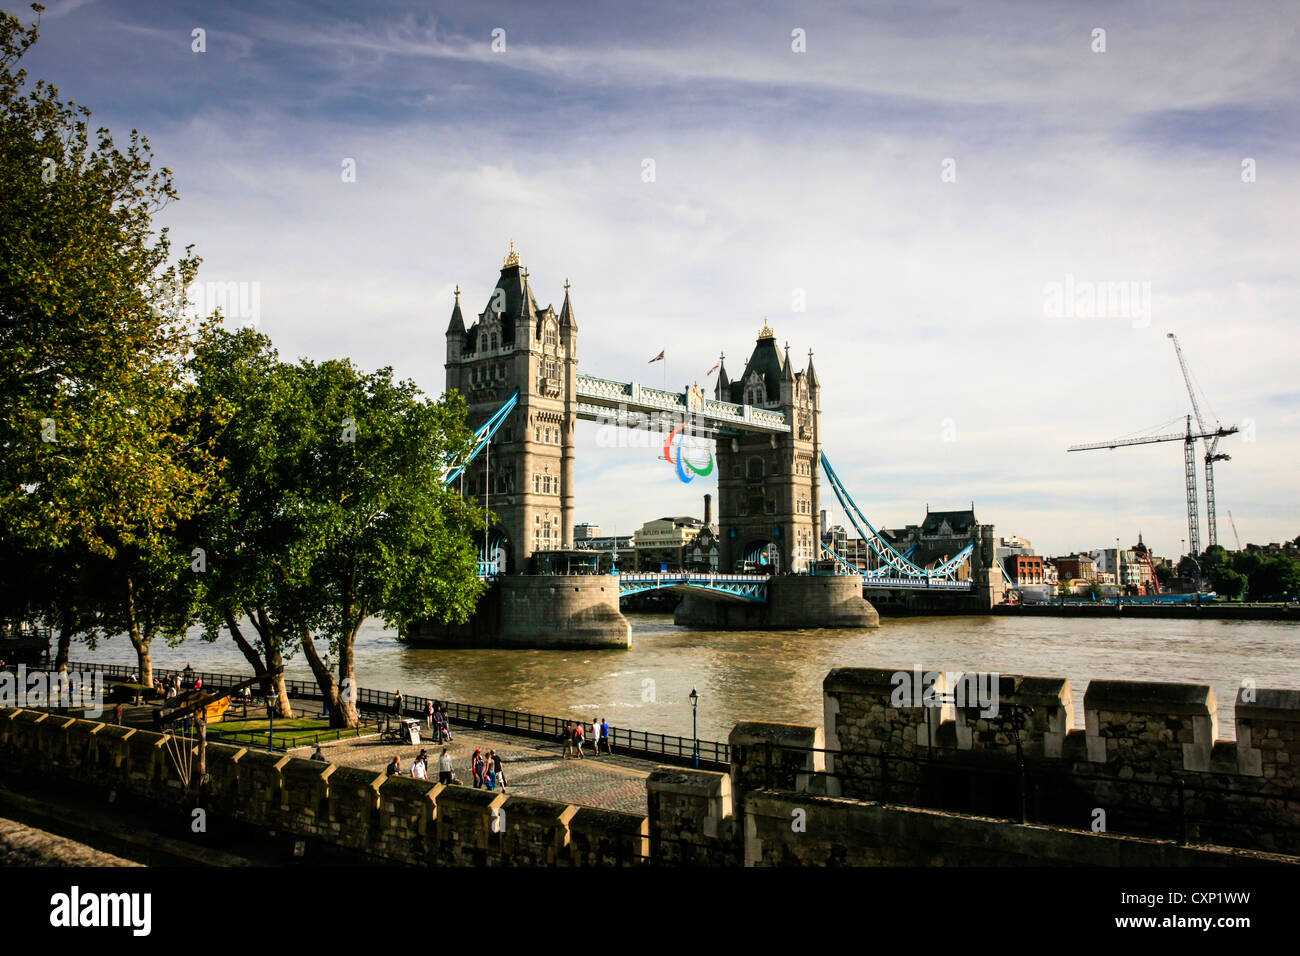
{"type": "Point", "coordinates": [750, 675]}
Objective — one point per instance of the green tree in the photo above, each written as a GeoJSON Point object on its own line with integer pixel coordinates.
{"type": "Point", "coordinates": [1228, 582]}
{"type": "Point", "coordinates": [332, 509]}
{"type": "Point", "coordinates": [95, 457]}
{"type": "Point", "coordinates": [394, 539]}
{"type": "Point", "coordinates": [1278, 578]}
{"type": "Point", "coordinates": [261, 553]}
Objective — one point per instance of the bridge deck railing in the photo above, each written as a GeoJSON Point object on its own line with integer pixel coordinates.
{"type": "Point", "coordinates": [675, 749]}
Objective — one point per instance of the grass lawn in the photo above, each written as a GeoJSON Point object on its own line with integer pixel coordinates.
{"type": "Point", "coordinates": [295, 732]}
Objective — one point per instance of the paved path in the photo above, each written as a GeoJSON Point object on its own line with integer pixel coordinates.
{"type": "Point", "coordinates": [534, 768]}
{"type": "Point", "coordinates": [23, 845]}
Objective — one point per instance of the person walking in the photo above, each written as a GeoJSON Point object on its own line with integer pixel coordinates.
{"type": "Point", "coordinates": [428, 715]}
{"type": "Point", "coordinates": [595, 736]}
{"type": "Point", "coordinates": [567, 738]}
{"type": "Point", "coordinates": [418, 770]}
{"type": "Point", "coordinates": [476, 767]}
{"type": "Point", "coordinates": [394, 769]}
{"type": "Point", "coordinates": [606, 737]}
{"type": "Point", "coordinates": [397, 705]}
{"type": "Point", "coordinates": [496, 766]}
{"type": "Point", "coordinates": [577, 739]}
{"type": "Point", "coordinates": [319, 754]}
{"type": "Point", "coordinates": [444, 767]}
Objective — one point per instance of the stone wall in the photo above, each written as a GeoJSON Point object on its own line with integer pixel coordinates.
{"type": "Point", "coordinates": [396, 819]}
{"type": "Point", "coordinates": [1148, 757]}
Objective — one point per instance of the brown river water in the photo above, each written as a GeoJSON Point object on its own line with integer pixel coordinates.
{"type": "Point", "coordinates": [751, 675]}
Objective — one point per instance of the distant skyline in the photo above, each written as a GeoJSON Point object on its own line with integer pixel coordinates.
{"type": "Point", "coordinates": [926, 180]}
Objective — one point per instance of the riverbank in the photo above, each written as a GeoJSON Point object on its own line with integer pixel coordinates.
{"type": "Point", "coordinates": [1140, 612]}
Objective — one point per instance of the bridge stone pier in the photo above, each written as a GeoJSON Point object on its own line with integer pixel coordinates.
{"type": "Point", "coordinates": [795, 601]}
{"type": "Point", "coordinates": [766, 428]}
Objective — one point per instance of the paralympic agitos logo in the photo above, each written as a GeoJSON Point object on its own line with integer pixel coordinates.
{"type": "Point", "coordinates": [675, 453]}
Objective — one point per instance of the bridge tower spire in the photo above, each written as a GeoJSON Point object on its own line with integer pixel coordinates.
{"type": "Point", "coordinates": [768, 484]}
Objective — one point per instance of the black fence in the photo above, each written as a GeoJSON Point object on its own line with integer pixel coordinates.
{"type": "Point", "coordinates": [382, 704]}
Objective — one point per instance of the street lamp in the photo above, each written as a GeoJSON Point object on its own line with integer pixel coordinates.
{"type": "Point", "coordinates": [695, 727]}
{"type": "Point", "coordinates": [187, 676]}
{"type": "Point", "coordinates": [270, 716]}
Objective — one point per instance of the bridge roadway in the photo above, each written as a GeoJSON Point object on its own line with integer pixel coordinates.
{"type": "Point", "coordinates": [742, 587]}
{"type": "Point", "coordinates": [631, 403]}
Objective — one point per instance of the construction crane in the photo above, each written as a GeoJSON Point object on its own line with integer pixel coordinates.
{"type": "Point", "coordinates": [1234, 529]}
{"type": "Point", "coordinates": [1211, 448]}
{"type": "Point", "coordinates": [1189, 439]}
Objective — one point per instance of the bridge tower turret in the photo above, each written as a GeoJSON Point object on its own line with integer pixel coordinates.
{"type": "Point", "coordinates": [527, 474]}
{"type": "Point", "coordinates": [768, 485]}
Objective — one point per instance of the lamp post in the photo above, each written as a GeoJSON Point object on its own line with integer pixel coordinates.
{"type": "Point", "coordinates": [270, 716]}
{"type": "Point", "coordinates": [695, 727]}
{"type": "Point", "coordinates": [187, 677]}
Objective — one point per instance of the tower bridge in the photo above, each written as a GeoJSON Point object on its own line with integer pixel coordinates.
{"type": "Point", "coordinates": [516, 364]}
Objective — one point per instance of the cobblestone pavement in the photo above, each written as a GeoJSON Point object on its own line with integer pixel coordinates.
{"type": "Point", "coordinates": [22, 845]}
{"type": "Point", "coordinates": [534, 768]}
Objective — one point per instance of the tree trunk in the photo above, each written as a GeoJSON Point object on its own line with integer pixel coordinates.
{"type": "Point", "coordinates": [274, 660]}
{"type": "Point", "coordinates": [138, 640]}
{"type": "Point", "coordinates": [67, 627]}
{"type": "Point", "coordinates": [247, 649]}
{"type": "Point", "coordinates": [328, 687]}
{"type": "Point", "coordinates": [347, 676]}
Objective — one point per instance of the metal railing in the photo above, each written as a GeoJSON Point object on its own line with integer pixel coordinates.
{"type": "Point", "coordinates": [712, 754]}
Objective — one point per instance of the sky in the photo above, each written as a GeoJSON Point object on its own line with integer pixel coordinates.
{"type": "Point", "coordinates": [926, 196]}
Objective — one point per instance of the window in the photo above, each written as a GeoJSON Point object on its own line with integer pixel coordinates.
{"type": "Point", "coordinates": [755, 468]}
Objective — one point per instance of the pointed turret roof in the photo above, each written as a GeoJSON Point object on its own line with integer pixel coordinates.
{"type": "Point", "coordinates": [457, 323]}
{"type": "Point", "coordinates": [515, 300]}
{"type": "Point", "coordinates": [567, 320]}
{"type": "Point", "coordinates": [810, 372]}
{"type": "Point", "coordinates": [766, 361]}
{"type": "Point", "coordinates": [722, 391]}
{"type": "Point", "coordinates": [787, 370]}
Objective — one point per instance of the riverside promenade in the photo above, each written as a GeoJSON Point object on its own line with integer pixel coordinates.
{"type": "Point", "coordinates": [529, 744]}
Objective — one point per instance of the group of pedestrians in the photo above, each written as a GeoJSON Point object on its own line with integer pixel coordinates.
{"type": "Point", "coordinates": [419, 769]}
{"type": "Point", "coordinates": [576, 735]}
{"type": "Point", "coordinates": [435, 719]}
{"type": "Point", "coordinates": [486, 769]}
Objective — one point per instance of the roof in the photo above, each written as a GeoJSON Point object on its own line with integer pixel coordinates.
{"type": "Point", "coordinates": [960, 522]}
{"type": "Point", "coordinates": [513, 296]}
{"type": "Point", "coordinates": [766, 361]}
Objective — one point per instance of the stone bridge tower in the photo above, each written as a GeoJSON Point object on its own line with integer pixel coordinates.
{"type": "Point", "coordinates": [526, 476]}
{"type": "Point", "coordinates": [769, 485]}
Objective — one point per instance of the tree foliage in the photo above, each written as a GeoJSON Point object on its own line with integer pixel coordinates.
{"type": "Point", "coordinates": [332, 508]}
{"type": "Point", "coordinates": [99, 458]}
